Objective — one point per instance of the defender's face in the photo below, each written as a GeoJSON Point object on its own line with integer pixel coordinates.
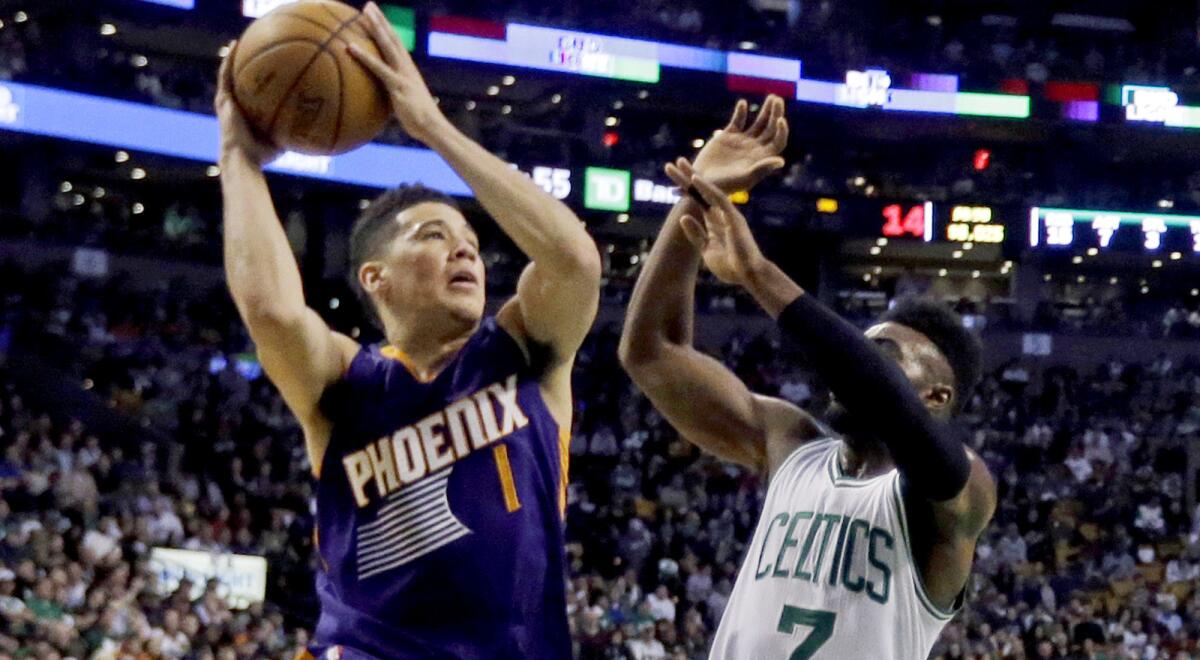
{"type": "Point", "coordinates": [920, 360]}
{"type": "Point", "coordinates": [432, 265]}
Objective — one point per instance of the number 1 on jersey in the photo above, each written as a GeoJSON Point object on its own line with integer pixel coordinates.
{"type": "Point", "coordinates": [821, 622]}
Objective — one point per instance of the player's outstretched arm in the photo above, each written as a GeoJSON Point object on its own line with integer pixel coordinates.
{"type": "Point", "coordinates": [298, 351]}
{"type": "Point", "coordinates": [697, 394]}
{"type": "Point", "coordinates": [558, 294]}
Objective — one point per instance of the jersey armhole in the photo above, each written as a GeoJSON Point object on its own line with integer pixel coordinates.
{"type": "Point", "coordinates": [936, 612]}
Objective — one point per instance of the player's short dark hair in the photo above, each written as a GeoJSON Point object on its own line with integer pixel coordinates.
{"type": "Point", "coordinates": [375, 228]}
{"type": "Point", "coordinates": [945, 329]}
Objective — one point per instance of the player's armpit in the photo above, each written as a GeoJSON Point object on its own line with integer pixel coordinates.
{"type": "Point", "coordinates": [552, 311]}
{"type": "Point", "coordinates": [302, 356]}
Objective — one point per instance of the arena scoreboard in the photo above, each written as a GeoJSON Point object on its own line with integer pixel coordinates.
{"type": "Point", "coordinates": [915, 220]}
{"type": "Point", "coordinates": [1056, 228]}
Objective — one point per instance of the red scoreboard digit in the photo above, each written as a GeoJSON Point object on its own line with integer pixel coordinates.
{"type": "Point", "coordinates": [899, 222]}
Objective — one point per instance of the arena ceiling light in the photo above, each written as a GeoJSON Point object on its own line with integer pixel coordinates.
{"type": "Point", "coordinates": [108, 29]}
{"type": "Point", "coordinates": [20, 17]}
{"type": "Point", "coordinates": [508, 81]}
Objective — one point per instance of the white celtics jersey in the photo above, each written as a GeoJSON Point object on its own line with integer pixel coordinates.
{"type": "Point", "coordinates": [829, 574]}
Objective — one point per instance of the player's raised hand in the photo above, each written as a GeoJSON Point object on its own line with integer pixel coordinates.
{"type": "Point", "coordinates": [412, 102]}
{"type": "Point", "coordinates": [723, 237]}
{"type": "Point", "coordinates": [739, 156]}
{"type": "Point", "coordinates": [236, 134]}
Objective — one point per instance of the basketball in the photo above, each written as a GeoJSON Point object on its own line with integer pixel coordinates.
{"type": "Point", "coordinates": [297, 84]}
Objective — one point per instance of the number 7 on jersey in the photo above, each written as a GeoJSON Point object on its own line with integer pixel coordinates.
{"type": "Point", "coordinates": [821, 622]}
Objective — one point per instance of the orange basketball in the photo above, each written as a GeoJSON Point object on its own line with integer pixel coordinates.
{"type": "Point", "coordinates": [296, 83]}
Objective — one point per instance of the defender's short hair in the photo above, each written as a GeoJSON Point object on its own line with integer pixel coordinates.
{"type": "Point", "coordinates": [375, 228]}
{"type": "Point", "coordinates": [945, 329]}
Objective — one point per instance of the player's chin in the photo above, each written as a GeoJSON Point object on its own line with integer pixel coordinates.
{"type": "Point", "coordinates": [466, 306]}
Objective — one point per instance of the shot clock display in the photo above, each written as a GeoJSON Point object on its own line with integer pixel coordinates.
{"type": "Point", "coordinates": [1055, 228]}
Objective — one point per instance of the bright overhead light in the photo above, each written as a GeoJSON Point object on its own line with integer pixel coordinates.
{"type": "Point", "coordinates": [20, 17]}
{"type": "Point", "coordinates": [698, 142]}
{"type": "Point", "coordinates": [139, 61]}
{"type": "Point", "coordinates": [223, 51]}
{"type": "Point", "coordinates": [122, 156]}
{"type": "Point", "coordinates": [65, 186]}
{"type": "Point", "coordinates": [137, 173]}
{"type": "Point", "coordinates": [508, 81]}
{"type": "Point", "coordinates": [860, 181]}
{"type": "Point", "coordinates": [618, 104]}
{"type": "Point", "coordinates": [881, 242]}
{"type": "Point", "coordinates": [1076, 259]}
{"type": "Point", "coordinates": [866, 277]}
{"type": "Point", "coordinates": [493, 90]}
{"type": "Point", "coordinates": [611, 121]}
{"type": "Point", "coordinates": [875, 250]}
{"type": "Point", "coordinates": [1047, 277]}
{"type": "Point", "coordinates": [942, 272]}
{"type": "Point", "coordinates": [470, 105]}
{"type": "Point", "coordinates": [643, 94]}
{"type": "Point", "coordinates": [1145, 289]}
{"type": "Point", "coordinates": [1113, 280]}
{"type": "Point", "coordinates": [1166, 204]}
{"type": "Point", "coordinates": [556, 99]}
{"type": "Point", "coordinates": [213, 170]}
{"type": "Point", "coordinates": [77, 199]}
{"type": "Point", "coordinates": [363, 204]}
{"type": "Point", "coordinates": [1157, 263]}
{"type": "Point", "coordinates": [505, 109]}
{"type": "Point", "coordinates": [138, 209]}
{"type": "Point", "coordinates": [968, 245]}
{"type": "Point", "coordinates": [108, 29]}
{"type": "Point", "coordinates": [623, 218]}
{"type": "Point", "coordinates": [1176, 256]}
{"type": "Point", "coordinates": [1196, 292]}
{"type": "Point", "coordinates": [634, 259]}
{"type": "Point", "coordinates": [99, 192]}
{"type": "Point", "coordinates": [1081, 279]}
{"type": "Point", "coordinates": [975, 274]}
{"type": "Point", "coordinates": [747, 45]}
{"type": "Point", "coordinates": [1092, 252]}
{"type": "Point", "coordinates": [334, 303]}
{"type": "Point", "coordinates": [957, 254]}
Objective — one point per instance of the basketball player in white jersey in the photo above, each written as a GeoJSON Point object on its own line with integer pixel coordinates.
{"type": "Point", "coordinates": [867, 535]}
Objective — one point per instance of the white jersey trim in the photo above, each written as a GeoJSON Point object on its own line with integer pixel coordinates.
{"type": "Point", "coordinates": [937, 612]}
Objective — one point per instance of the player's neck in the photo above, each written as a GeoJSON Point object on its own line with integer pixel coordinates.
{"type": "Point", "coordinates": [863, 459]}
{"type": "Point", "coordinates": [426, 350]}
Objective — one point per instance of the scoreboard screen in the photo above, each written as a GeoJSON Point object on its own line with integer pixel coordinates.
{"type": "Point", "coordinates": [1113, 230]}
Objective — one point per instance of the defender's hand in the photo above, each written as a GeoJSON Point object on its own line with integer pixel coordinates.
{"type": "Point", "coordinates": [412, 102]}
{"type": "Point", "coordinates": [237, 136]}
{"type": "Point", "coordinates": [737, 157]}
{"type": "Point", "coordinates": [722, 237]}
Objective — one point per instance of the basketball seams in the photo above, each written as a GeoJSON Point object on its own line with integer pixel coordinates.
{"type": "Point", "coordinates": [283, 99]}
{"type": "Point", "coordinates": [237, 71]}
{"type": "Point", "coordinates": [337, 126]}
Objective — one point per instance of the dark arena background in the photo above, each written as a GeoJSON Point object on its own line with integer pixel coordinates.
{"type": "Point", "coordinates": [1031, 164]}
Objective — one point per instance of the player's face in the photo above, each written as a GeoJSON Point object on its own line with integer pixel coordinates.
{"type": "Point", "coordinates": [920, 359]}
{"type": "Point", "coordinates": [433, 265]}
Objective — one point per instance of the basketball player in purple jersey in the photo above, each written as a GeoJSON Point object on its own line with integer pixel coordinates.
{"type": "Point", "coordinates": [440, 457]}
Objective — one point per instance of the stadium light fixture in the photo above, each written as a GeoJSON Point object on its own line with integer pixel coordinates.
{"type": "Point", "coordinates": [942, 272]}
{"type": "Point", "coordinates": [505, 109]}
{"type": "Point", "coordinates": [975, 274]}
{"type": "Point", "coordinates": [1076, 260]}
{"type": "Point", "coordinates": [470, 106]}
{"type": "Point", "coordinates": [957, 254]}
{"type": "Point", "coordinates": [876, 250]}
{"type": "Point", "coordinates": [137, 208]}
{"type": "Point", "coordinates": [508, 81]}
{"type": "Point", "coordinates": [881, 242]}
{"type": "Point", "coordinates": [121, 156]}
{"type": "Point", "coordinates": [622, 218]}
{"type": "Point", "coordinates": [556, 99]}
{"type": "Point", "coordinates": [213, 171]}
{"type": "Point", "coordinates": [1113, 280]}
{"type": "Point", "coordinates": [493, 90]}
{"type": "Point", "coordinates": [1091, 252]}
{"type": "Point", "coordinates": [1157, 263]}
{"type": "Point", "coordinates": [1176, 256]}
{"type": "Point", "coordinates": [137, 174]}
{"type": "Point", "coordinates": [20, 17]}
{"type": "Point", "coordinates": [108, 29]}
{"type": "Point", "coordinates": [698, 143]}
{"type": "Point", "coordinates": [644, 94]}
{"type": "Point", "coordinates": [618, 104]}
{"type": "Point", "coordinates": [139, 61]}
{"type": "Point", "coordinates": [611, 121]}
{"type": "Point", "coordinates": [65, 187]}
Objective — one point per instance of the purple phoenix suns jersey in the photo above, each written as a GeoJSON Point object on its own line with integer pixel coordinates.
{"type": "Point", "coordinates": [439, 510]}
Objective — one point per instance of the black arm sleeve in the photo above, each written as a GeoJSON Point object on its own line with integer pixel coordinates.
{"type": "Point", "coordinates": [881, 400]}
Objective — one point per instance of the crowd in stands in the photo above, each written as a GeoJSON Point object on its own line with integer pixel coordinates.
{"type": "Point", "coordinates": [1094, 551]}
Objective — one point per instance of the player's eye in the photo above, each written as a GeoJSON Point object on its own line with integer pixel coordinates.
{"type": "Point", "coordinates": [433, 234]}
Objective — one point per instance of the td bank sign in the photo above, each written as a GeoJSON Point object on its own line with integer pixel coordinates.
{"type": "Point", "coordinates": [606, 189]}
